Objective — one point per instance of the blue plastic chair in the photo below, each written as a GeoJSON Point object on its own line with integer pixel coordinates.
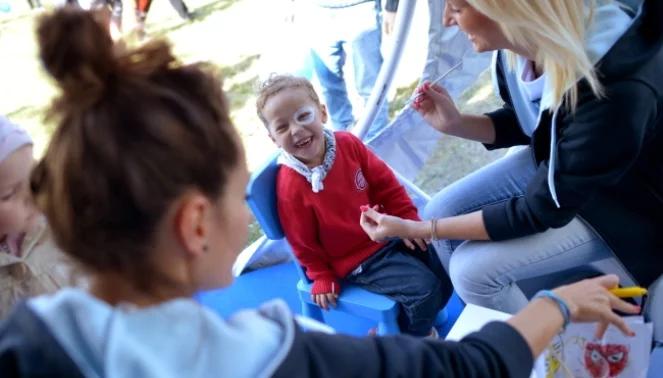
{"type": "Point", "coordinates": [261, 198]}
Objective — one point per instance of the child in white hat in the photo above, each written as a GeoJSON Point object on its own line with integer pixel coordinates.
{"type": "Point", "coordinates": [30, 264]}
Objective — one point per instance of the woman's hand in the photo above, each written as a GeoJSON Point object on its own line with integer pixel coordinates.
{"type": "Point", "coordinates": [438, 109]}
{"type": "Point", "coordinates": [589, 301]}
{"type": "Point", "coordinates": [379, 226]}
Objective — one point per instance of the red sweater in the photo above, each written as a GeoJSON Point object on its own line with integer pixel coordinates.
{"type": "Point", "coordinates": [323, 228]}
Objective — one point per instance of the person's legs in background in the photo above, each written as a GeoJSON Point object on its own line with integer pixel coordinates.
{"type": "Point", "coordinates": [357, 28]}
{"type": "Point", "coordinates": [328, 62]}
{"type": "Point", "coordinates": [34, 4]}
{"type": "Point", "coordinates": [142, 7]}
{"type": "Point", "coordinates": [116, 18]}
{"type": "Point", "coordinates": [181, 9]}
{"type": "Point", "coordinates": [367, 61]}
{"type": "Point", "coordinates": [114, 12]}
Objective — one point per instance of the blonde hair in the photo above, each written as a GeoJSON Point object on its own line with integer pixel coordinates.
{"type": "Point", "coordinates": [556, 30]}
{"type": "Point", "coordinates": [277, 83]}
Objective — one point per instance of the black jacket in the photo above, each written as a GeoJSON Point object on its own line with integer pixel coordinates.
{"type": "Point", "coordinates": [609, 169]}
{"type": "Point", "coordinates": [29, 349]}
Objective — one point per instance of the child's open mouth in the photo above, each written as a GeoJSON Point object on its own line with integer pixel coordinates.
{"type": "Point", "coordinates": [304, 143]}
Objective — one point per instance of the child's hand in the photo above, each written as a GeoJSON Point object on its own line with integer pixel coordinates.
{"type": "Point", "coordinates": [410, 243]}
{"type": "Point", "coordinates": [324, 300]}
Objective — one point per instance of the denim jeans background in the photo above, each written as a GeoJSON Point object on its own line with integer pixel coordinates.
{"type": "Point", "coordinates": [485, 272]}
{"type": "Point", "coordinates": [358, 27]}
{"type": "Point", "coordinates": [413, 278]}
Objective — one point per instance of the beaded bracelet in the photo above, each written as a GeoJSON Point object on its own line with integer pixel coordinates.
{"type": "Point", "coordinates": [563, 307]}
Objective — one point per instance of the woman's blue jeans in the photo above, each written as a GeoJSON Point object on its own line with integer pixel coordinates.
{"type": "Point", "coordinates": [485, 272]}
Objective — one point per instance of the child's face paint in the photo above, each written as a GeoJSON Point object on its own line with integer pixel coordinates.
{"type": "Point", "coordinates": [305, 116]}
{"type": "Point", "coordinates": [295, 123]}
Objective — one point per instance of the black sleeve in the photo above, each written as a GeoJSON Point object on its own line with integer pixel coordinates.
{"type": "Point", "coordinates": [507, 128]}
{"type": "Point", "coordinates": [596, 147]}
{"type": "Point", "coordinates": [391, 5]}
{"type": "Point", "coordinates": [28, 349]}
{"type": "Point", "coordinates": [497, 350]}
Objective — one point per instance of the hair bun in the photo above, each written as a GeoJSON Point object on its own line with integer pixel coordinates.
{"type": "Point", "coordinates": [76, 49]}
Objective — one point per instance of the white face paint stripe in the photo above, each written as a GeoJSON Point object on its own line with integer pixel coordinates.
{"type": "Point", "coordinates": [304, 116]}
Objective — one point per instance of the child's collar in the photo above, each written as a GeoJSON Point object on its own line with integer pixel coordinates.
{"type": "Point", "coordinates": [317, 174]}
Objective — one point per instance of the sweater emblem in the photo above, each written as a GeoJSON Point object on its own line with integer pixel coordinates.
{"type": "Point", "coordinates": [360, 180]}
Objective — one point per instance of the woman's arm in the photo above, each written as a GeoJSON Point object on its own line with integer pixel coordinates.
{"type": "Point", "coordinates": [497, 350]}
{"type": "Point", "coordinates": [597, 147]}
{"type": "Point", "coordinates": [479, 128]}
{"type": "Point", "coordinates": [381, 226]}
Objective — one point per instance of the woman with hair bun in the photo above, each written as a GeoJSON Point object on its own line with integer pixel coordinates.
{"type": "Point", "coordinates": [143, 183]}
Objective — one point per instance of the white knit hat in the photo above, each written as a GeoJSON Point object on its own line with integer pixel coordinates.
{"type": "Point", "coordinates": [12, 138]}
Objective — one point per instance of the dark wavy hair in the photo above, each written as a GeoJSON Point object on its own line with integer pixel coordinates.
{"type": "Point", "coordinates": [135, 129]}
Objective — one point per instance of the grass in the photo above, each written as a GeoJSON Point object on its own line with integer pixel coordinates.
{"type": "Point", "coordinates": [235, 36]}
{"type": "Point", "coordinates": [28, 91]}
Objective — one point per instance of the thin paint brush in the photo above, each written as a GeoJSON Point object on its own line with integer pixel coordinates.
{"type": "Point", "coordinates": [440, 78]}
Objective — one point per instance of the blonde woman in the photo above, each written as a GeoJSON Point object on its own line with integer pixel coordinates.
{"type": "Point", "coordinates": [583, 90]}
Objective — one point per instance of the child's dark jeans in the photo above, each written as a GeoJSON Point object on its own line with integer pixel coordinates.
{"type": "Point", "coordinates": [413, 278]}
